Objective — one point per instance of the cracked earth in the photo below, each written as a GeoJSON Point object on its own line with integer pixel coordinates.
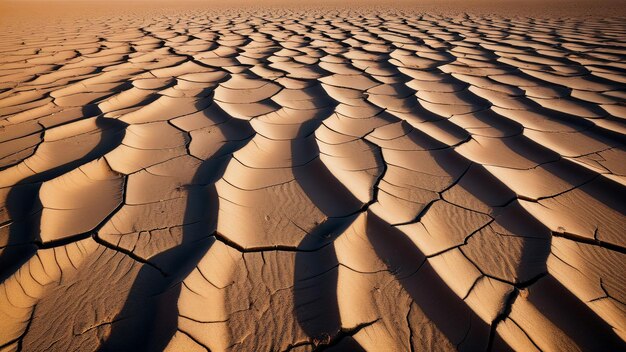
{"type": "Point", "coordinates": [307, 180]}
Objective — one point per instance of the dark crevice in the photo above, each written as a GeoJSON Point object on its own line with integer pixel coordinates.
{"type": "Point", "coordinates": [323, 343]}
{"type": "Point", "coordinates": [503, 315]}
{"type": "Point", "coordinates": [590, 241]}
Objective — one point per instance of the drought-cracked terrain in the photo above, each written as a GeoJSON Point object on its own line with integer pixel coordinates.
{"type": "Point", "coordinates": [273, 179]}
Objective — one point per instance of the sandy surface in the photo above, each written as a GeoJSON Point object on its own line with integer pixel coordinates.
{"type": "Point", "coordinates": [195, 177]}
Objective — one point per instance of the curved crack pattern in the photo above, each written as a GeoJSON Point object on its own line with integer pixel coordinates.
{"type": "Point", "coordinates": [313, 180]}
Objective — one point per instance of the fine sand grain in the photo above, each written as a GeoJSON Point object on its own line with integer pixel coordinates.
{"type": "Point", "coordinates": [262, 177]}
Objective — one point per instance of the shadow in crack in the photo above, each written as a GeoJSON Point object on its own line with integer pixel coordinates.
{"type": "Point", "coordinates": [23, 205]}
{"type": "Point", "coordinates": [574, 317]}
{"type": "Point", "coordinates": [315, 298]}
{"type": "Point", "coordinates": [149, 317]}
{"type": "Point", "coordinates": [438, 304]}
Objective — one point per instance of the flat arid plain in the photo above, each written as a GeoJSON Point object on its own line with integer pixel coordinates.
{"type": "Point", "coordinates": [354, 176]}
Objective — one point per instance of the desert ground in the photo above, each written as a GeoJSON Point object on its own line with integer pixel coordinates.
{"type": "Point", "coordinates": [415, 176]}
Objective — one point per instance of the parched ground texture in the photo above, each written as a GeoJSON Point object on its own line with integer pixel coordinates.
{"type": "Point", "coordinates": [316, 179]}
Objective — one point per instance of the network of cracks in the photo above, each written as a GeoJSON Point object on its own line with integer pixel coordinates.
{"type": "Point", "coordinates": [279, 180]}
